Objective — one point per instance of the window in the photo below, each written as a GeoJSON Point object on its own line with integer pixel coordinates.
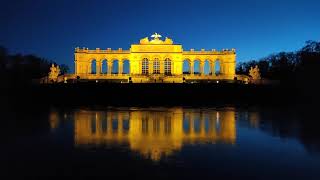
{"type": "Point", "coordinates": [167, 66]}
{"type": "Point", "coordinates": [145, 66]}
{"type": "Point", "coordinates": [156, 66]}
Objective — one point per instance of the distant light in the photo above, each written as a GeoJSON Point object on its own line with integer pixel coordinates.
{"type": "Point", "coordinates": [217, 82]}
{"type": "Point", "coordinates": [96, 81]}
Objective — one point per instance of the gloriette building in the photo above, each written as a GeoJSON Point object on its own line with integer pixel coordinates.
{"type": "Point", "coordinates": [153, 61]}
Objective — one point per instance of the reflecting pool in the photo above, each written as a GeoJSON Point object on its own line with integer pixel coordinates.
{"type": "Point", "coordinates": [225, 142]}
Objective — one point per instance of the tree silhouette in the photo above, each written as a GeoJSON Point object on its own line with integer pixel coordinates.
{"type": "Point", "coordinates": [298, 71]}
{"type": "Point", "coordinates": [20, 69]}
{"type": "Point", "coordinates": [287, 66]}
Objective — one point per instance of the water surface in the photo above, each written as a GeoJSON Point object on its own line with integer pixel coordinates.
{"type": "Point", "coordinates": [223, 142]}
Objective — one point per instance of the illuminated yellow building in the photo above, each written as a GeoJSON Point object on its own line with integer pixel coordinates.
{"type": "Point", "coordinates": [154, 133]}
{"type": "Point", "coordinates": [153, 61]}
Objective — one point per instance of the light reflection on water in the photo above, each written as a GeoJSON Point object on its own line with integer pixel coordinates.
{"type": "Point", "coordinates": [153, 133]}
{"type": "Point", "coordinates": [219, 143]}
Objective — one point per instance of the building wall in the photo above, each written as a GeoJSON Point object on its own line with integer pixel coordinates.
{"type": "Point", "coordinates": [137, 52]}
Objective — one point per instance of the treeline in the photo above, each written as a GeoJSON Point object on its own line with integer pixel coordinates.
{"type": "Point", "coordinates": [300, 67]}
{"type": "Point", "coordinates": [21, 69]}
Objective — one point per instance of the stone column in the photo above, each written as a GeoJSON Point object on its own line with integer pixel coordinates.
{"type": "Point", "coordinates": [139, 70]}
{"type": "Point", "coordinates": [192, 67]}
{"type": "Point", "coordinates": [172, 67]}
{"type": "Point", "coordinates": [210, 67]}
{"type": "Point", "coordinates": [192, 124]}
{"type": "Point", "coordinates": [120, 68]}
{"type": "Point", "coordinates": [98, 67]}
{"type": "Point", "coordinates": [109, 123]}
{"type": "Point", "coordinates": [213, 69]}
{"type": "Point", "coordinates": [161, 66]}
{"type": "Point", "coordinates": [109, 67]}
{"type": "Point", "coordinates": [221, 67]}
{"type": "Point", "coordinates": [120, 123]}
{"type": "Point", "coordinates": [101, 66]}
{"type": "Point", "coordinates": [89, 71]}
{"type": "Point", "coordinates": [98, 124]}
{"type": "Point", "coordinates": [201, 67]}
{"type": "Point", "coordinates": [202, 124]}
{"type": "Point", "coordinates": [151, 66]}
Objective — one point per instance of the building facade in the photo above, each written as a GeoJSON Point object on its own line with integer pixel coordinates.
{"type": "Point", "coordinates": [154, 60]}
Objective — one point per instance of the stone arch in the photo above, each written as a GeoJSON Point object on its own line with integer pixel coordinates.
{"type": "Point", "coordinates": [211, 61]}
{"type": "Point", "coordinates": [123, 58]}
{"type": "Point", "coordinates": [93, 66]}
{"type": "Point", "coordinates": [125, 66]}
{"type": "Point", "coordinates": [104, 66]}
{"type": "Point", "coordinates": [186, 66]}
{"type": "Point", "coordinates": [115, 66]}
{"type": "Point", "coordinates": [196, 66]}
{"type": "Point", "coordinates": [217, 67]}
{"type": "Point", "coordinates": [206, 67]}
{"type": "Point", "coordinates": [167, 56]}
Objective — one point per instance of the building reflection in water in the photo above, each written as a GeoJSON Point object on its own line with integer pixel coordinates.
{"type": "Point", "coordinates": [54, 119]}
{"type": "Point", "coordinates": [154, 133]}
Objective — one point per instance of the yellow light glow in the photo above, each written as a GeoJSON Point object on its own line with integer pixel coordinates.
{"type": "Point", "coordinates": [154, 134]}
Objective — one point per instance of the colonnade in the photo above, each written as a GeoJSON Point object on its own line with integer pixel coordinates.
{"type": "Point", "coordinates": [109, 66]}
{"type": "Point", "coordinates": [202, 63]}
{"type": "Point", "coordinates": [156, 66]}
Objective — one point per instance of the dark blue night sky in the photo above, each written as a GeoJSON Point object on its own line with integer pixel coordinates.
{"type": "Point", "coordinates": [256, 28]}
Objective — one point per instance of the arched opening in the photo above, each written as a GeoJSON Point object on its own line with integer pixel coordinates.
{"type": "Point", "coordinates": [156, 66]}
{"type": "Point", "coordinates": [104, 66]}
{"type": "Point", "coordinates": [186, 123]}
{"type": "Point", "coordinates": [167, 66]}
{"type": "Point", "coordinates": [93, 67]}
{"type": "Point", "coordinates": [207, 123]}
{"type": "Point", "coordinates": [126, 67]}
{"type": "Point", "coordinates": [196, 67]}
{"type": "Point", "coordinates": [145, 66]}
{"type": "Point", "coordinates": [115, 67]}
{"type": "Point", "coordinates": [206, 68]}
{"type": "Point", "coordinates": [115, 125]}
{"type": "Point", "coordinates": [186, 66]}
{"type": "Point", "coordinates": [197, 125]}
{"type": "Point", "coordinates": [217, 67]}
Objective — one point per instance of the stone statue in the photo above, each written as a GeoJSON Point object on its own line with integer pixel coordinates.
{"type": "Point", "coordinates": [156, 36]}
{"type": "Point", "coordinates": [156, 40]}
{"type": "Point", "coordinates": [144, 40]}
{"type": "Point", "coordinates": [168, 41]}
{"type": "Point", "coordinates": [255, 73]}
{"type": "Point", "coordinates": [54, 73]}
